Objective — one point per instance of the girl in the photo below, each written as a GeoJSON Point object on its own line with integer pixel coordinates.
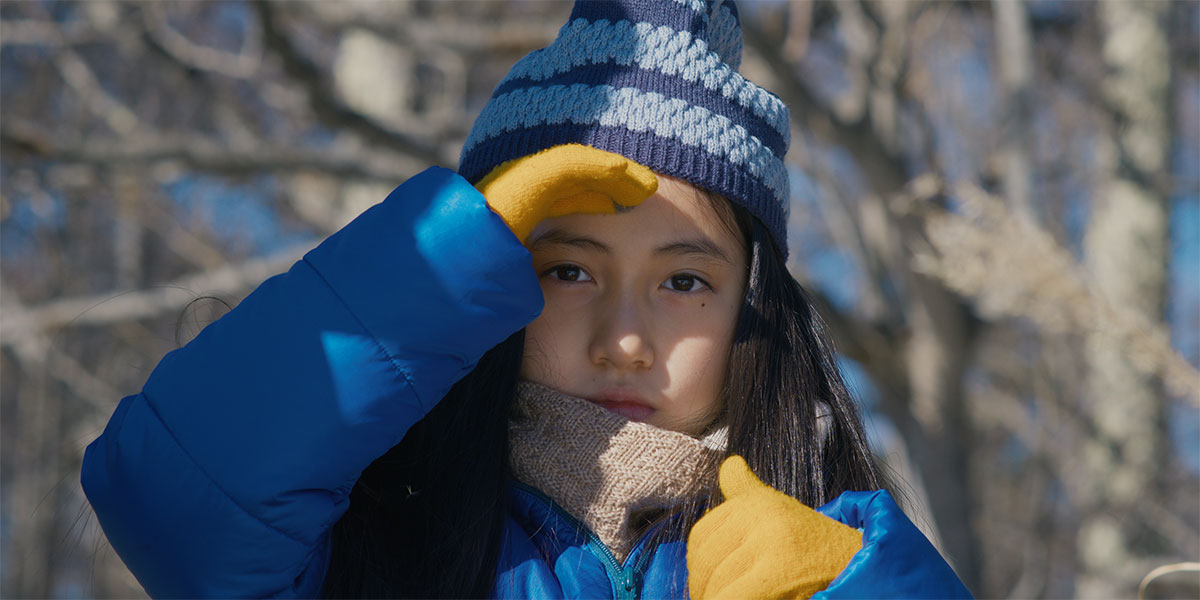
{"type": "Point", "coordinates": [413, 410]}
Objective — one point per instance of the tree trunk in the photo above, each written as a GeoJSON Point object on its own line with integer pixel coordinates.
{"type": "Point", "coordinates": [1126, 248]}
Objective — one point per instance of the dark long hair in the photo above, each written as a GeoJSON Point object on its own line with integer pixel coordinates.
{"type": "Point", "coordinates": [425, 519]}
{"type": "Point", "coordinates": [782, 378]}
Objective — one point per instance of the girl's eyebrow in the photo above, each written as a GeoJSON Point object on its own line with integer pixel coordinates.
{"type": "Point", "coordinates": [558, 237]}
{"type": "Point", "coordinates": [702, 247]}
{"type": "Point", "coordinates": [698, 246]}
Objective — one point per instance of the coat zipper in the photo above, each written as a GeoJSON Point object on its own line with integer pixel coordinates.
{"type": "Point", "coordinates": [625, 576]}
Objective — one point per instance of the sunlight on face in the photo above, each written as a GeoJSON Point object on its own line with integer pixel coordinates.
{"type": "Point", "coordinates": [640, 308]}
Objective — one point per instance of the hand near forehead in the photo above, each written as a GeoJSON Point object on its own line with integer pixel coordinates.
{"type": "Point", "coordinates": [564, 180]}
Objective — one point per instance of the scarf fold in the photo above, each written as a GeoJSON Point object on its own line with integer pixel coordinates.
{"type": "Point", "coordinates": [602, 468]}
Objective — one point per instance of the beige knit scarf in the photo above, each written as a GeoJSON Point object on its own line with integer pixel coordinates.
{"type": "Point", "coordinates": [603, 469]}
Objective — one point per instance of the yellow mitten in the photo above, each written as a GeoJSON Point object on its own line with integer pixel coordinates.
{"type": "Point", "coordinates": [761, 543]}
{"type": "Point", "coordinates": [564, 180]}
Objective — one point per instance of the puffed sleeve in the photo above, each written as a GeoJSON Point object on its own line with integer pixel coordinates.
{"type": "Point", "coordinates": [223, 477]}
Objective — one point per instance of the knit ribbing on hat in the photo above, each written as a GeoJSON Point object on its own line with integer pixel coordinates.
{"type": "Point", "coordinates": [655, 81]}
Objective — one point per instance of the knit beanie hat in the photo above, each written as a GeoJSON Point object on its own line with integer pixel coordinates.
{"type": "Point", "coordinates": [655, 81]}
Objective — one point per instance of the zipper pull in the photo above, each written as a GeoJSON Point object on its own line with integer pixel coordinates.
{"type": "Point", "coordinates": [629, 582]}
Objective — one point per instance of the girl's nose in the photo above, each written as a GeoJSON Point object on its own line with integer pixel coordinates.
{"type": "Point", "coordinates": [620, 338]}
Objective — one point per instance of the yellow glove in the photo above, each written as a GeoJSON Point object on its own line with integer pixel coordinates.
{"type": "Point", "coordinates": [761, 543]}
{"type": "Point", "coordinates": [564, 180]}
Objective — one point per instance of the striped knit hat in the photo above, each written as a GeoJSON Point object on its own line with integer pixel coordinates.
{"type": "Point", "coordinates": [657, 82]}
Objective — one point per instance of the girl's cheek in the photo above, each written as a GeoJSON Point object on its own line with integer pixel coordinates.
{"type": "Point", "coordinates": [559, 296]}
{"type": "Point", "coordinates": [539, 352]}
{"type": "Point", "coordinates": [705, 310]}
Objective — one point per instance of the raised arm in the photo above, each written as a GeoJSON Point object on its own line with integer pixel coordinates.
{"type": "Point", "coordinates": [225, 474]}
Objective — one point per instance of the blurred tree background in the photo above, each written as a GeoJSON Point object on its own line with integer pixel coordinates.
{"type": "Point", "coordinates": [996, 205]}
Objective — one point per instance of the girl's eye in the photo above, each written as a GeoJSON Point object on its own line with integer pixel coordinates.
{"type": "Point", "coordinates": [569, 273]}
{"type": "Point", "coordinates": [684, 282]}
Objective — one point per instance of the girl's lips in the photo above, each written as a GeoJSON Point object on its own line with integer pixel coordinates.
{"type": "Point", "coordinates": [629, 410]}
{"type": "Point", "coordinates": [625, 403]}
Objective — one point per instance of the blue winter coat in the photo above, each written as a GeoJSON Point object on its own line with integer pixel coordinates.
{"type": "Point", "coordinates": [224, 476]}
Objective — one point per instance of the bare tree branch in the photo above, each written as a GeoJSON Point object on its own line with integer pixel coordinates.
{"type": "Point", "coordinates": [38, 32]}
{"type": "Point", "coordinates": [454, 34]}
{"type": "Point", "coordinates": [331, 110]}
{"type": "Point", "coordinates": [166, 298]}
{"type": "Point", "coordinates": [1014, 54]}
{"type": "Point", "coordinates": [202, 154]}
{"type": "Point", "coordinates": [242, 65]}
{"type": "Point", "coordinates": [1012, 268]}
{"type": "Point", "coordinates": [34, 351]}
{"type": "Point", "coordinates": [79, 76]}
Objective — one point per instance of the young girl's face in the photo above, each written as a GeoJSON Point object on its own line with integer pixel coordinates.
{"type": "Point", "coordinates": [640, 307]}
